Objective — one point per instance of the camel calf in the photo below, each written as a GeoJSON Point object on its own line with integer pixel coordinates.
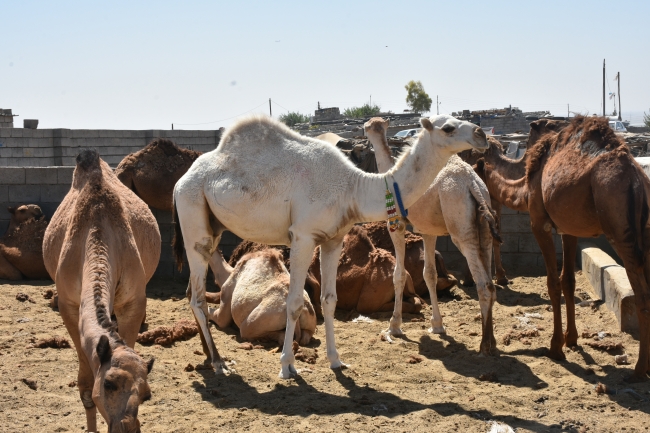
{"type": "Point", "coordinates": [101, 248]}
{"type": "Point", "coordinates": [254, 297]}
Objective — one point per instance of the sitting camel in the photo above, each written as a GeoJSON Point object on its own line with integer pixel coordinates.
{"type": "Point", "coordinates": [101, 248]}
{"type": "Point", "coordinates": [269, 184]}
{"type": "Point", "coordinates": [254, 297]}
{"type": "Point", "coordinates": [582, 181]}
{"type": "Point", "coordinates": [454, 204]}
{"type": "Point", "coordinates": [413, 257]}
{"type": "Point", "coordinates": [21, 247]}
{"type": "Point", "coordinates": [364, 280]}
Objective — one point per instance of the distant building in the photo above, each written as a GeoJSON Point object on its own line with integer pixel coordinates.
{"type": "Point", "coordinates": [6, 118]}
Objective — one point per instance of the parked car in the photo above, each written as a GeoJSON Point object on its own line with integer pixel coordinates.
{"type": "Point", "coordinates": [617, 126]}
{"type": "Point", "coordinates": [407, 133]}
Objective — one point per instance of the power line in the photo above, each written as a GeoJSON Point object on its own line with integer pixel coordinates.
{"type": "Point", "coordinates": [221, 120]}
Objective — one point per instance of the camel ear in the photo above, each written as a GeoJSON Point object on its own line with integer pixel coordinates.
{"type": "Point", "coordinates": [426, 124]}
{"type": "Point", "coordinates": [150, 365]}
{"type": "Point", "coordinates": [104, 351]}
{"type": "Point", "coordinates": [11, 209]}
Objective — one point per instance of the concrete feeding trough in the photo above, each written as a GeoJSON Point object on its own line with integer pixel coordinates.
{"type": "Point", "coordinates": [30, 123]}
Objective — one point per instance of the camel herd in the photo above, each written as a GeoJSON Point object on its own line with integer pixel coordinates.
{"type": "Point", "coordinates": [275, 189]}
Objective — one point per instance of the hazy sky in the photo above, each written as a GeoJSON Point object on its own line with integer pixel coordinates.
{"type": "Point", "coordinates": [146, 64]}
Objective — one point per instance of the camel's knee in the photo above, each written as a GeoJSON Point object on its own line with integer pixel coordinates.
{"type": "Point", "coordinates": [294, 307]}
{"type": "Point", "coordinates": [328, 303]}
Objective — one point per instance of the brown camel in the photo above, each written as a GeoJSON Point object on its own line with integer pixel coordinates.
{"type": "Point", "coordinates": [21, 247]}
{"type": "Point", "coordinates": [101, 248]}
{"type": "Point", "coordinates": [153, 171]}
{"type": "Point", "coordinates": [414, 259]}
{"type": "Point", "coordinates": [583, 182]}
{"type": "Point", "coordinates": [364, 279]}
{"type": "Point", "coordinates": [254, 297]}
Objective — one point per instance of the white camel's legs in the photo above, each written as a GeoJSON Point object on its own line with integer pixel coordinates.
{"type": "Point", "coordinates": [431, 278]}
{"type": "Point", "coordinates": [329, 262]}
{"type": "Point", "coordinates": [302, 248]}
{"type": "Point", "coordinates": [399, 278]}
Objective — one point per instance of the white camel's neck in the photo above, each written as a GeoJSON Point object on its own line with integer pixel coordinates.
{"type": "Point", "coordinates": [414, 175]}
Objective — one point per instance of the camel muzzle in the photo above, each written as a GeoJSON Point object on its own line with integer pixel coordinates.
{"type": "Point", "coordinates": [481, 144]}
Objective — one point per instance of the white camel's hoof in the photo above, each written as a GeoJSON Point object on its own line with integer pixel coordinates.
{"type": "Point", "coordinates": [437, 330]}
{"type": "Point", "coordinates": [394, 331]}
{"type": "Point", "coordinates": [287, 372]}
{"type": "Point", "coordinates": [338, 364]}
{"type": "Point", "coordinates": [221, 368]}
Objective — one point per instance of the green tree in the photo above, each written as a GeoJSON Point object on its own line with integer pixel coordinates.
{"type": "Point", "coordinates": [646, 119]}
{"type": "Point", "coordinates": [293, 117]}
{"type": "Point", "coordinates": [366, 110]}
{"type": "Point", "coordinates": [416, 98]}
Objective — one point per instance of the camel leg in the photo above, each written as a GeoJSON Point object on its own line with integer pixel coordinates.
{"type": "Point", "coordinates": [568, 284]}
{"type": "Point", "coordinates": [501, 277]}
{"type": "Point", "coordinates": [8, 271]}
{"type": "Point", "coordinates": [85, 377]}
{"type": "Point", "coordinates": [302, 248]}
{"type": "Point", "coordinates": [544, 236]}
{"type": "Point", "coordinates": [431, 278]}
{"type": "Point", "coordinates": [399, 279]}
{"type": "Point", "coordinates": [329, 260]}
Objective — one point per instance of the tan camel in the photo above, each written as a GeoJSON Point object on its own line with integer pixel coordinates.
{"type": "Point", "coordinates": [364, 280]}
{"type": "Point", "coordinates": [21, 247]}
{"type": "Point", "coordinates": [153, 171]}
{"type": "Point", "coordinates": [101, 248]}
{"type": "Point", "coordinates": [583, 182]}
{"type": "Point", "coordinates": [456, 204]}
{"type": "Point", "coordinates": [266, 183]}
{"type": "Point", "coordinates": [413, 257]}
{"type": "Point", "coordinates": [254, 297]}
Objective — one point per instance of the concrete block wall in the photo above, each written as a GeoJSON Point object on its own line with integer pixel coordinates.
{"type": "Point", "coordinates": [21, 147]}
{"type": "Point", "coordinates": [506, 124]}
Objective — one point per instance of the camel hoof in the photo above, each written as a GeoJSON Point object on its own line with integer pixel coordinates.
{"type": "Point", "coordinates": [339, 364]}
{"type": "Point", "coordinates": [221, 368]}
{"type": "Point", "coordinates": [288, 371]}
{"type": "Point", "coordinates": [395, 332]}
{"type": "Point", "coordinates": [557, 355]}
{"type": "Point", "coordinates": [503, 281]}
{"type": "Point", "coordinates": [437, 330]}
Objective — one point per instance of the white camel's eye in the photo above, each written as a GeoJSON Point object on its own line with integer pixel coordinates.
{"type": "Point", "coordinates": [448, 128]}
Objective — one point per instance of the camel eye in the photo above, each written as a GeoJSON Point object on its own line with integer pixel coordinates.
{"type": "Point", "coordinates": [448, 129]}
{"type": "Point", "coordinates": [110, 386]}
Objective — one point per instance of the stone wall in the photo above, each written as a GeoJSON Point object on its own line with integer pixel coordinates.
{"type": "Point", "coordinates": [21, 147]}
{"type": "Point", "coordinates": [506, 124]}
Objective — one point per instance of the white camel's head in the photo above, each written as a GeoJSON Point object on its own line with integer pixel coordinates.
{"type": "Point", "coordinates": [451, 134]}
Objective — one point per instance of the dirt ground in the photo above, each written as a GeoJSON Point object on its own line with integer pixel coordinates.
{"type": "Point", "coordinates": [386, 388]}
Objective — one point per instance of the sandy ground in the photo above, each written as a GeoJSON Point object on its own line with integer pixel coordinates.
{"type": "Point", "coordinates": [382, 391]}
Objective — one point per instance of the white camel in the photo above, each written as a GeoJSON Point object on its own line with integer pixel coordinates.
{"type": "Point", "coordinates": [455, 204]}
{"type": "Point", "coordinates": [268, 184]}
{"type": "Point", "coordinates": [254, 297]}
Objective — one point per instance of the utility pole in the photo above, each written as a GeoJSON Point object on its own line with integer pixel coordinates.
{"type": "Point", "coordinates": [437, 105]}
{"type": "Point", "coordinates": [270, 112]}
{"type": "Point", "coordinates": [618, 78]}
{"type": "Point", "coordinates": [172, 126]}
{"type": "Point", "coordinates": [568, 113]}
{"type": "Point", "coordinates": [603, 87]}
{"type": "Point", "coordinates": [371, 100]}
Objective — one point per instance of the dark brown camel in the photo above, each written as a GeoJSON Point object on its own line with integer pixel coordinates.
{"type": "Point", "coordinates": [583, 182]}
{"type": "Point", "coordinates": [21, 247]}
{"type": "Point", "coordinates": [153, 171]}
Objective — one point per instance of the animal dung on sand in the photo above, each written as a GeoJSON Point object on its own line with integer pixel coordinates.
{"type": "Point", "coordinates": [165, 335]}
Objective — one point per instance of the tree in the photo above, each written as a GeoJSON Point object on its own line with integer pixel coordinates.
{"type": "Point", "coordinates": [366, 110]}
{"type": "Point", "coordinates": [646, 119]}
{"type": "Point", "coordinates": [416, 98]}
{"type": "Point", "coordinates": [293, 117]}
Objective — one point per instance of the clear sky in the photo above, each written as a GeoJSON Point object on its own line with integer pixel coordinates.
{"type": "Point", "coordinates": [148, 64]}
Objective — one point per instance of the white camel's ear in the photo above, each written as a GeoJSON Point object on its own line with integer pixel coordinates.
{"type": "Point", "coordinates": [426, 124]}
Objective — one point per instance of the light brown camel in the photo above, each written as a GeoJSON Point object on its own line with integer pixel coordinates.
{"type": "Point", "coordinates": [101, 248]}
{"type": "Point", "coordinates": [254, 297]}
{"type": "Point", "coordinates": [153, 171]}
{"type": "Point", "coordinates": [364, 278]}
{"type": "Point", "coordinates": [21, 247]}
{"type": "Point", "coordinates": [583, 182]}
{"type": "Point", "coordinates": [414, 257]}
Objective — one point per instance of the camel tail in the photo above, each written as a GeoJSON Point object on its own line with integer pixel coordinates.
{"type": "Point", "coordinates": [177, 243]}
{"type": "Point", "coordinates": [486, 212]}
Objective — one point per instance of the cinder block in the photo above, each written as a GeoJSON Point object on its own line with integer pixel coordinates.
{"type": "Point", "coordinates": [528, 244]}
{"type": "Point", "coordinates": [4, 194]}
{"type": "Point", "coordinates": [40, 175]}
{"type": "Point", "coordinates": [163, 217]}
{"type": "Point", "coordinates": [594, 263]}
{"type": "Point", "coordinates": [5, 132]}
{"type": "Point", "coordinates": [17, 132]}
{"type": "Point", "coordinates": [515, 223]}
{"type": "Point", "coordinates": [619, 298]}
{"type": "Point", "coordinates": [25, 194]}
{"type": "Point", "coordinates": [510, 242]}
{"type": "Point", "coordinates": [12, 176]}
{"type": "Point", "coordinates": [54, 193]}
{"type": "Point", "coordinates": [64, 175]}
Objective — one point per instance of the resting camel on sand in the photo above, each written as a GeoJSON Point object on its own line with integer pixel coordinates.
{"type": "Point", "coordinates": [266, 183]}
{"type": "Point", "coordinates": [101, 248]}
{"type": "Point", "coordinates": [456, 203]}
{"type": "Point", "coordinates": [254, 297]}
{"type": "Point", "coordinates": [21, 247]}
{"type": "Point", "coordinates": [364, 280]}
{"type": "Point", "coordinates": [413, 257]}
{"type": "Point", "coordinates": [582, 182]}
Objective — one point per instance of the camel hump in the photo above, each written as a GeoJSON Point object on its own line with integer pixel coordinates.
{"type": "Point", "coordinates": [88, 159]}
{"type": "Point", "coordinates": [167, 146]}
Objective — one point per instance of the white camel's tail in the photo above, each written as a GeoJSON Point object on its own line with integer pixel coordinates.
{"type": "Point", "coordinates": [486, 212]}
